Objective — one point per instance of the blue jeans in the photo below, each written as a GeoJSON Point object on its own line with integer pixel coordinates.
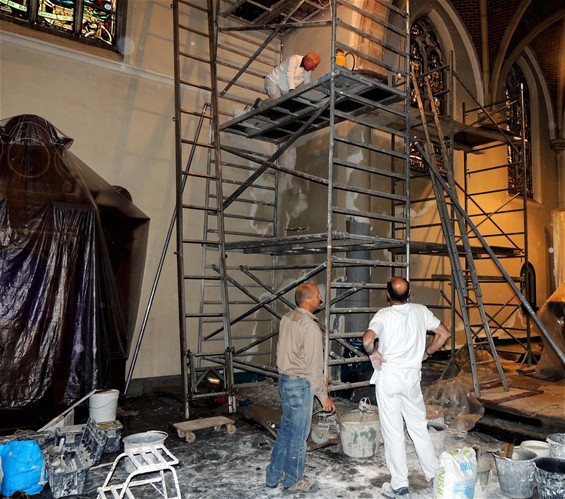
{"type": "Point", "coordinates": [289, 453]}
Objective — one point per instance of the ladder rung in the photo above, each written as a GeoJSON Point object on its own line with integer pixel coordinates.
{"type": "Point", "coordinates": [490, 361]}
{"type": "Point", "coordinates": [194, 85]}
{"type": "Point", "coordinates": [196, 143]}
{"type": "Point", "coordinates": [353, 310]}
{"type": "Point", "coordinates": [241, 233]}
{"type": "Point", "coordinates": [204, 314]}
{"type": "Point", "coordinates": [204, 277]}
{"type": "Point", "coordinates": [250, 218]}
{"type": "Point", "coordinates": [200, 208]}
{"type": "Point", "coordinates": [363, 285]}
{"type": "Point", "coordinates": [195, 113]}
{"type": "Point", "coordinates": [201, 241]}
{"type": "Point", "coordinates": [200, 175]}
{"type": "Point", "coordinates": [492, 383]}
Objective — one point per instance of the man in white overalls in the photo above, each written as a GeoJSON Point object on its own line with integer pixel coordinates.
{"type": "Point", "coordinates": [396, 343]}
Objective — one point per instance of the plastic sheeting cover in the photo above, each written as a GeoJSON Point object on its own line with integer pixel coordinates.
{"type": "Point", "coordinates": [72, 252]}
{"type": "Point", "coordinates": [552, 314]}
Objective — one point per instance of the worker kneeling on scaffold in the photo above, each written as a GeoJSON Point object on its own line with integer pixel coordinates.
{"type": "Point", "coordinates": [291, 73]}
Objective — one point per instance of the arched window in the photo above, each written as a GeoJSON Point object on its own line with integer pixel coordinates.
{"type": "Point", "coordinates": [427, 58]}
{"type": "Point", "coordinates": [518, 161]}
{"type": "Point", "coordinates": [94, 22]}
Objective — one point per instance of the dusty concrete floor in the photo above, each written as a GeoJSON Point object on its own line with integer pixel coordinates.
{"type": "Point", "coordinates": [233, 466]}
{"type": "Point", "coordinates": [219, 465]}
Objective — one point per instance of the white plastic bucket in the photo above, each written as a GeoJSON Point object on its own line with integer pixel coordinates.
{"type": "Point", "coordinates": [540, 447]}
{"type": "Point", "coordinates": [103, 405]}
{"type": "Point", "coordinates": [138, 440]}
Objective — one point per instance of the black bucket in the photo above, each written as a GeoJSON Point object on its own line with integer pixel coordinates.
{"type": "Point", "coordinates": [550, 477]}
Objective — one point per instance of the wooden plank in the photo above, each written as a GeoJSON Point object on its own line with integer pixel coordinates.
{"type": "Point", "coordinates": [264, 416]}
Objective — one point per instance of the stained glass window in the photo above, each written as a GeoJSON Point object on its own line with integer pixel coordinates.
{"type": "Point", "coordinates": [426, 58]}
{"type": "Point", "coordinates": [96, 22]}
{"type": "Point", "coordinates": [519, 159]}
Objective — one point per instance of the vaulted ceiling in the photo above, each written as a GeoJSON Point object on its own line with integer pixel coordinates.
{"type": "Point", "coordinates": [514, 26]}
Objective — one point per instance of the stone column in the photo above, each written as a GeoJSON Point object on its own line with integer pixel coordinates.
{"type": "Point", "coordinates": [558, 146]}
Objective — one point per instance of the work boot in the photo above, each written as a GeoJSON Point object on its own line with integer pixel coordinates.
{"type": "Point", "coordinates": [305, 484]}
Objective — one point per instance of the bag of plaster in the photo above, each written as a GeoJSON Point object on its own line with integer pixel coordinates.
{"type": "Point", "coordinates": [456, 474]}
{"type": "Point", "coordinates": [23, 467]}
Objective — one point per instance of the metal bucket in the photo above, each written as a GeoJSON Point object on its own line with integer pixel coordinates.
{"type": "Point", "coordinates": [550, 477]}
{"type": "Point", "coordinates": [556, 443]}
{"type": "Point", "coordinates": [360, 433]}
{"type": "Point", "coordinates": [140, 440]}
{"type": "Point", "coordinates": [516, 475]}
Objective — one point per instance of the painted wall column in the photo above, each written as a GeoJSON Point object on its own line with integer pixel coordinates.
{"type": "Point", "coordinates": [558, 146]}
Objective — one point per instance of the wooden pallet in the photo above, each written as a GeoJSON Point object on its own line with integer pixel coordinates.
{"type": "Point", "coordinates": [186, 429]}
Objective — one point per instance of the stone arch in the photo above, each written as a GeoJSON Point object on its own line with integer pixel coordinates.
{"type": "Point", "coordinates": [457, 41]}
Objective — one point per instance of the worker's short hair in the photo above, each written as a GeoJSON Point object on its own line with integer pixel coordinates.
{"type": "Point", "coordinates": [303, 292]}
{"type": "Point", "coordinates": [313, 56]}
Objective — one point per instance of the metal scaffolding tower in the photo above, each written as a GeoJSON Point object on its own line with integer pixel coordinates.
{"type": "Point", "coordinates": [243, 242]}
{"type": "Point", "coordinates": [253, 176]}
{"type": "Point", "coordinates": [489, 298]}
{"type": "Point", "coordinates": [504, 224]}
{"type": "Point", "coordinates": [465, 279]}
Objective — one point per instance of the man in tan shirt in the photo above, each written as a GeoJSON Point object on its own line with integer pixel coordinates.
{"type": "Point", "coordinates": [300, 363]}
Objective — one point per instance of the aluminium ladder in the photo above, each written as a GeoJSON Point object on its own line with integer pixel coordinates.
{"type": "Point", "coordinates": [206, 195]}
{"type": "Point", "coordinates": [210, 299]}
{"type": "Point", "coordinates": [239, 300]}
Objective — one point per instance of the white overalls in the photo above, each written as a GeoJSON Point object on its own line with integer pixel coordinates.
{"type": "Point", "coordinates": [401, 330]}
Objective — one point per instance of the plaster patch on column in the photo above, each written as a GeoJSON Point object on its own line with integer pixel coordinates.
{"type": "Point", "coordinates": [351, 197]}
{"type": "Point", "coordinates": [427, 207]}
{"type": "Point", "coordinates": [288, 159]}
{"type": "Point", "coordinates": [288, 184]}
{"type": "Point", "coordinates": [258, 227]}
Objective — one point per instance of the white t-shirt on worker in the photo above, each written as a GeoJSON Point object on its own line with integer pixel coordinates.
{"type": "Point", "coordinates": [401, 330]}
